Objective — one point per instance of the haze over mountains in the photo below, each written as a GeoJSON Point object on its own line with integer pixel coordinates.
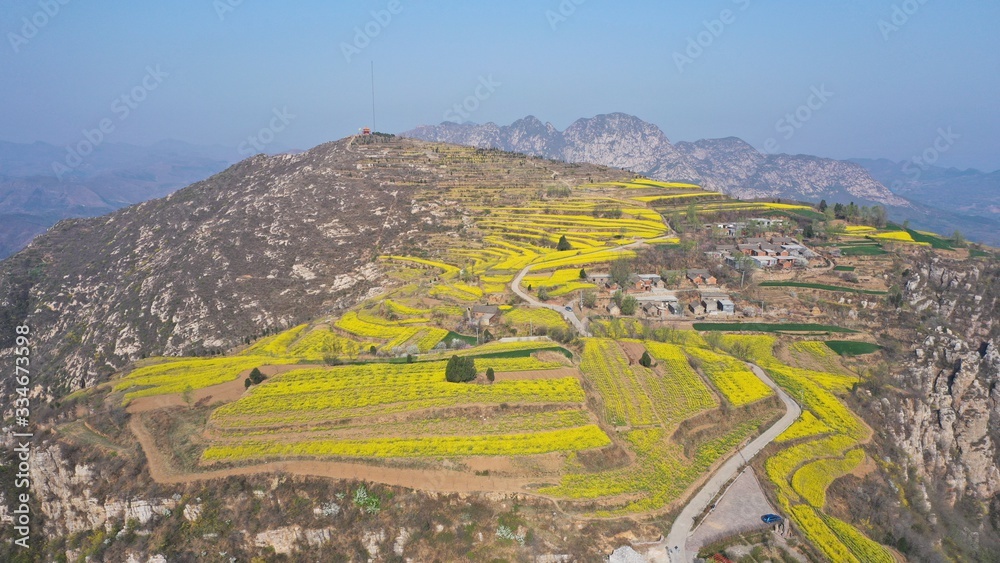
{"type": "Point", "coordinates": [967, 192]}
{"type": "Point", "coordinates": [733, 166]}
{"type": "Point", "coordinates": [33, 197]}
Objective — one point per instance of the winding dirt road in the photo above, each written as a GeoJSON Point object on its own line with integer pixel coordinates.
{"type": "Point", "coordinates": [569, 315]}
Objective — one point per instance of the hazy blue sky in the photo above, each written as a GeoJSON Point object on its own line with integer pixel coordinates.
{"type": "Point", "coordinates": [227, 66]}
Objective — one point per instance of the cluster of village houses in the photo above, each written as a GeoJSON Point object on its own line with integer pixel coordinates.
{"type": "Point", "coordinates": [657, 302]}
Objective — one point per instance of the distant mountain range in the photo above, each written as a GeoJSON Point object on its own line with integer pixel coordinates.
{"type": "Point", "coordinates": [967, 192]}
{"type": "Point", "coordinates": [33, 197]}
{"type": "Point", "coordinates": [729, 165]}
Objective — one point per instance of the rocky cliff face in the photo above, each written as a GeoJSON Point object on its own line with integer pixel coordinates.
{"type": "Point", "coordinates": [728, 165]}
{"type": "Point", "coordinates": [948, 419]}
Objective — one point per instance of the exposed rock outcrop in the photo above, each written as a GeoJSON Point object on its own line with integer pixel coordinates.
{"type": "Point", "coordinates": [948, 422]}
{"type": "Point", "coordinates": [727, 165]}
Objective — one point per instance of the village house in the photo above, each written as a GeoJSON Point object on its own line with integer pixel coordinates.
{"type": "Point", "coordinates": [653, 311]}
{"type": "Point", "coordinates": [731, 230]}
{"type": "Point", "coordinates": [783, 252]}
{"type": "Point", "coordinates": [663, 303]}
{"type": "Point", "coordinates": [599, 279]}
{"type": "Point", "coordinates": [647, 282]}
{"type": "Point", "coordinates": [483, 315]}
{"type": "Point", "coordinates": [767, 222]}
{"type": "Point", "coordinates": [701, 277]}
{"type": "Point", "coordinates": [717, 303]}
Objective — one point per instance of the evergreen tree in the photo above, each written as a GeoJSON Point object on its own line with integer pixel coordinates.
{"type": "Point", "coordinates": [490, 375]}
{"type": "Point", "coordinates": [256, 376]}
{"type": "Point", "coordinates": [645, 360]}
{"type": "Point", "coordinates": [563, 244]}
{"type": "Point", "coordinates": [460, 370]}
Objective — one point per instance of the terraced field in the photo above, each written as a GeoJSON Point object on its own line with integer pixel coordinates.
{"type": "Point", "coordinates": [732, 377]}
{"type": "Point", "coordinates": [363, 390]}
{"type": "Point", "coordinates": [595, 220]}
{"type": "Point", "coordinates": [188, 374]}
{"type": "Point", "coordinates": [823, 447]}
{"type": "Point", "coordinates": [612, 432]}
{"type": "Point", "coordinates": [651, 402]}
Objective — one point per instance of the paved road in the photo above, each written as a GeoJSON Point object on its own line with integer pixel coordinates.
{"type": "Point", "coordinates": [570, 316]}
{"type": "Point", "coordinates": [682, 527]}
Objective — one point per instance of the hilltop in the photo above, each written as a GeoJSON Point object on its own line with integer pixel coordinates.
{"type": "Point", "coordinates": [391, 347]}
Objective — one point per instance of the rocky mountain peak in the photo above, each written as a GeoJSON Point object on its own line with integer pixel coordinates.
{"type": "Point", "coordinates": [729, 165]}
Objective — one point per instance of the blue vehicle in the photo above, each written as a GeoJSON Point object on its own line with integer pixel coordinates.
{"type": "Point", "coordinates": [771, 518]}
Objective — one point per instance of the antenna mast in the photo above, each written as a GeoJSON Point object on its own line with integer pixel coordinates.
{"type": "Point", "coordinates": [373, 97]}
